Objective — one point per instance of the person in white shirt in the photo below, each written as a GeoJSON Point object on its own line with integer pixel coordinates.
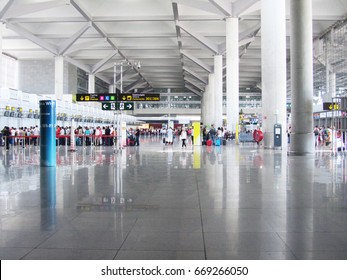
{"type": "Point", "coordinates": [36, 134]}
{"type": "Point", "coordinates": [183, 137]}
{"type": "Point", "coordinates": [62, 138]}
{"type": "Point", "coordinates": [169, 136]}
{"type": "Point", "coordinates": [97, 136]}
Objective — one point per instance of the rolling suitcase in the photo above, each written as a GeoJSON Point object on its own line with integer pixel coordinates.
{"type": "Point", "coordinates": [209, 142]}
{"type": "Point", "coordinates": [217, 142]}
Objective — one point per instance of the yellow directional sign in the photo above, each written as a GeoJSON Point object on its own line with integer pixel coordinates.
{"type": "Point", "coordinates": [125, 97]}
{"type": "Point", "coordinates": [330, 106]}
{"type": "Point", "coordinates": [85, 97]}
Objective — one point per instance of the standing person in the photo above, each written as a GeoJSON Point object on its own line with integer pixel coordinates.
{"type": "Point", "coordinates": [205, 135]}
{"type": "Point", "coordinates": [322, 135]}
{"type": "Point", "coordinates": [62, 136]}
{"type": "Point", "coordinates": [192, 135]}
{"type": "Point", "coordinates": [183, 137]}
{"type": "Point", "coordinates": [6, 134]}
{"type": "Point", "coordinates": [289, 131]}
{"type": "Point", "coordinates": [57, 134]}
{"type": "Point", "coordinates": [316, 134]}
{"type": "Point", "coordinates": [212, 133]}
{"type": "Point", "coordinates": [36, 133]}
{"type": "Point", "coordinates": [107, 136]}
{"type": "Point", "coordinates": [137, 137]}
{"type": "Point", "coordinates": [169, 136]}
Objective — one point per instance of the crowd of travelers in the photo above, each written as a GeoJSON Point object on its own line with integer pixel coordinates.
{"type": "Point", "coordinates": [329, 137]}
{"type": "Point", "coordinates": [20, 136]}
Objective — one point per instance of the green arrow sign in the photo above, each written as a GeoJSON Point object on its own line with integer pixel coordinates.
{"type": "Point", "coordinates": [126, 106]}
{"type": "Point", "coordinates": [112, 106]}
{"type": "Point", "coordinates": [108, 106]}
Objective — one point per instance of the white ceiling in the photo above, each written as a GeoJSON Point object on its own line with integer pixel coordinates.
{"type": "Point", "coordinates": [96, 34]}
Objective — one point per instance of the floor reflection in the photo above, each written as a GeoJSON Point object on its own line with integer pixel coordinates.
{"type": "Point", "coordinates": [157, 201]}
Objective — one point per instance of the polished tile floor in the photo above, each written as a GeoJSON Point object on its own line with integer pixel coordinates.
{"type": "Point", "coordinates": [165, 202]}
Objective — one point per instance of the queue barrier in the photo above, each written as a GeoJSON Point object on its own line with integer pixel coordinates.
{"type": "Point", "coordinates": [62, 140]}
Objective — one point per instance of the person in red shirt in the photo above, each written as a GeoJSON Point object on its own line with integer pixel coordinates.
{"type": "Point", "coordinates": [258, 135]}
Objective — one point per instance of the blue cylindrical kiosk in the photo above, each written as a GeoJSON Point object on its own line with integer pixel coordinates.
{"type": "Point", "coordinates": [47, 133]}
{"type": "Point", "coordinates": [48, 198]}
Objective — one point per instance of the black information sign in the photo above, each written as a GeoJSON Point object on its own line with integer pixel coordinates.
{"type": "Point", "coordinates": [329, 106]}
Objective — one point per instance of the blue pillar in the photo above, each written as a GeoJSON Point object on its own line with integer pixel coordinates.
{"type": "Point", "coordinates": [48, 197]}
{"type": "Point", "coordinates": [47, 133]}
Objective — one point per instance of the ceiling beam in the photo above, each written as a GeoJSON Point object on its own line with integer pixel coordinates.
{"type": "Point", "coordinates": [203, 40]}
{"type": "Point", "coordinates": [132, 85]}
{"type": "Point", "coordinates": [31, 37]}
{"type": "Point", "coordinates": [81, 46]}
{"type": "Point", "coordinates": [106, 66]}
{"type": "Point", "coordinates": [242, 36]}
{"type": "Point", "coordinates": [193, 90]}
{"type": "Point", "coordinates": [20, 9]}
{"type": "Point", "coordinates": [102, 62]}
{"type": "Point", "coordinates": [6, 8]}
{"type": "Point", "coordinates": [240, 6]}
{"type": "Point", "coordinates": [199, 5]}
{"type": "Point", "coordinates": [128, 76]}
{"type": "Point", "coordinates": [146, 89]}
{"type": "Point", "coordinates": [197, 61]}
{"type": "Point", "coordinates": [250, 31]}
{"type": "Point", "coordinates": [246, 41]}
{"type": "Point", "coordinates": [100, 31]}
{"type": "Point", "coordinates": [104, 78]}
{"type": "Point", "coordinates": [194, 74]}
{"type": "Point", "coordinates": [192, 82]}
{"type": "Point", "coordinates": [223, 6]}
{"type": "Point", "coordinates": [69, 42]}
{"type": "Point", "coordinates": [78, 64]}
{"type": "Point", "coordinates": [123, 74]}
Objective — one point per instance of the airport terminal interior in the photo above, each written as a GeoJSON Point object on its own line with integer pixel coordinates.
{"type": "Point", "coordinates": [118, 75]}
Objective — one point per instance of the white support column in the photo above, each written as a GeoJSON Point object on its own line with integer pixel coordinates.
{"type": "Point", "coordinates": [211, 100]}
{"type": "Point", "coordinates": [206, 104]}
{"type": "Point", "coordinates": [302, 139]}
{"type": "Point", "coordinates": [59, 77]}
{"type": "Point", "coordinates": [203, 111]}
{"type": "Point", "coordinates": [232, 74]}
{"type": "Point", "coordinates": [1, 76]}
{"type": "Point", "coordinates": [273, 52]}
{"type": "Point", "coordinates": [91, 83]}
{"type": "Point", "coordinates": [332, 84]}
{"type": "Point", "coordinates": [327, 95]}
{"type": "Point", "coordinates": [218, 84]}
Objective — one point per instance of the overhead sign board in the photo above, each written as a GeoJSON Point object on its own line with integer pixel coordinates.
{"type": "Point", "coordinates": [125, 97]}
{"type": "Point", "coordinates": [146, 97]}
{"type": "Point", "coordinates": [139, 97]}
{"type": "Point", "coordinates": [88, 97]}
{"type": "Point", "coordinates": [329, 106]}
{"type": "Point", "coordinates": [126, 106]}
{"type": "Point", "coordinates": [113, 106]}
{"type": "Point", "coordinates": [122, 97]}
